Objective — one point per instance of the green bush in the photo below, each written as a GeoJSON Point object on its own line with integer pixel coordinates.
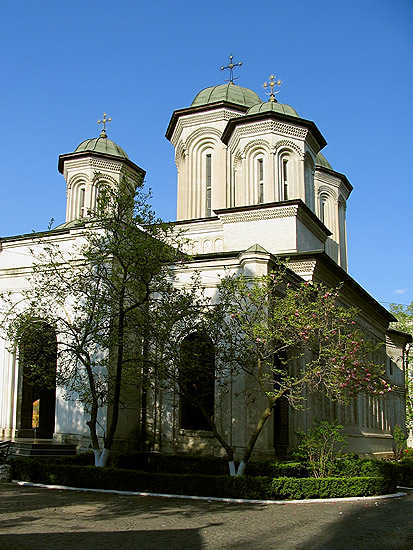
{"type": "Point", "coordinates": [319, 446]}
{"type": "Point", "coordinates": [174, 464]}
{"type": "Point", "coordinates": [401, 471]}
{"type": "Point", "coordinates": [277, 469]}
{"type": "Point", "coordinates": [250, 487]}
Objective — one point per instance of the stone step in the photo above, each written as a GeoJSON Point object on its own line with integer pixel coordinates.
{"type": "Point", "coordinates": [42, 449]}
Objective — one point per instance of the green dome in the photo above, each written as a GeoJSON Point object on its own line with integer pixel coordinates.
{"type": "Point", "coordinates": [226, 92]}
{"type": "Point", "coordinates": [272, 106]}
{"type": "Point", "coordinates": [102, 145]}
{"type": "Point", "coordinates": [322, 161]}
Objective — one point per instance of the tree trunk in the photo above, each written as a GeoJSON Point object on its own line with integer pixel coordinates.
{"type": "Point", "coordinates": [228, 449]}
{"type": "Point", "coordinates": [93, 417]}
{"type": "Point", "coordinates": [118, 380]}
{"type": "Point", "coordinates": [254, 437]}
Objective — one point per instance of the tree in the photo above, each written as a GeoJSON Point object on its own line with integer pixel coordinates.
{"type": "Point", "coordinates": [404, 315]}
{"type": "Point", "coordinates": [287, 336]}
{"type": "Point", "coordinates": [95, 297]}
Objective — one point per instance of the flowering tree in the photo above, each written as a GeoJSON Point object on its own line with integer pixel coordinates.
{"type": "Point", "coordinates": [316, 340]}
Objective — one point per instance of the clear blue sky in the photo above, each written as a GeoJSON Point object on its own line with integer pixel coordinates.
{"type": "Point", "coordinates": [345, 65]}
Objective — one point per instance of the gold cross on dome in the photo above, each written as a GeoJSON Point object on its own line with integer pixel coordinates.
{"type": "Point", "coordinates": [104, 121]}
{"type": "Point", "coordinates": [231, 65]}
{"type": "Point", "coordinates": [272, 84]}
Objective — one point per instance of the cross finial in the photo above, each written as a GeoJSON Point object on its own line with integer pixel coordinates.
{"type": "Point", "coordinates": [231, 66]}
{"type": "Point", "coordinates": [272, 84]}
{"type": "Point", "coordinates": [104, 121]}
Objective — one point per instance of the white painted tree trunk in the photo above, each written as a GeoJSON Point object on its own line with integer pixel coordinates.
{"type": "Point", "coordinates": [231, 465]}
{"type": "Point", "coordinates": [97, 454]}
{"type": "Point", "coordinates": [241, 468]}
{"type": "Point", "coordinates": [103, 458]}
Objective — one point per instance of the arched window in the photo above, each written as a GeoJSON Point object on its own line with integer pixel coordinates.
{"type": "Point", "coordinates": [208, 176]}
{"type": "Point", "coordinates": [284, 177]}
{"type": "Point", "coordinates": [326, 209]}
{"type": "Point", "coordinates": [197, 381]}
{"type": "Point", "coordinates": [323, 207]}
{"type": "Point", "coordinates": [260, 179]}
{"type": "Point", "coordinates": [82, 210]}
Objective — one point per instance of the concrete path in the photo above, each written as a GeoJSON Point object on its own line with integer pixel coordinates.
{"type": "Point", "coordinates": [55, 519]}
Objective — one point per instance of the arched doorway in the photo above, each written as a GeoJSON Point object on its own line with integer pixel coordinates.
{"type": "Point", "coordinates": [197, 381]}
{"type": "Point", "coordinates": [37, 358]}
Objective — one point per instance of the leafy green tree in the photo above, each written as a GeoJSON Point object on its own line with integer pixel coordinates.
{"type": "Point", "coordinates": [95, 297]}
{"type": "Point", "coordinates": [404, 315]}
{"type": "Point", "coordinates": [316, 341]}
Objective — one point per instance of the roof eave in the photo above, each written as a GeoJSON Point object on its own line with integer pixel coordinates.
{"type": "Point", "coordinates": [199, 109]}
{"type": "Point", "coordinates": [247, 119]}
{"type": "Point", "coordinates": [82, 154]}
{"type": "Point", "coordinates": [337, 174]}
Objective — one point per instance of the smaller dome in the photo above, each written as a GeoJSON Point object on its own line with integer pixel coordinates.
{"type": "Point", "coordinates": [102, 145]}
{"type": "Point", "coordinates": [322, 161]}
{"type": "Point", "coordinates": [226, 92]}
{"type": "Point", "coordinates": [272, 106]}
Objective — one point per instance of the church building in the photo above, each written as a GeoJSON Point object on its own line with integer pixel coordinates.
{"type": "Point", "coordinates": [253, 187]}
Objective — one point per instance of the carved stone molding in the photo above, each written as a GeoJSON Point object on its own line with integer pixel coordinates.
{"type": "Point", "coordinates": [185, 121]}
{"type": "Point", "coordinates": [256, 215]}
{"type": "Point", "coordinates": [326, 190]}
{"type": "Point", "coordinates": [105, 165]}
{"type": "Point", "coordinates": [302, 267]}
{"type": "Point", "coordinates": [204, 132]}
{"type": "Point", "coordinates": [285, 143]}
{"type": "Point", "coordinates": [256, 144]}
{"type": "Point", "coordinates": [76, 178]}
{"type": "Point", "coordinates": [181, 151]}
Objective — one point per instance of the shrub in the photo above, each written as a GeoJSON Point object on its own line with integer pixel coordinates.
{"type": "Point", "coordinates": [277, 469]}
{"type": "Point", "coordinates": [176, 464]}
{"type": "Point", "coordinates": [400, 440]}
{"type": "Point", "coordinates": [319, 445]}
{"type": "Point", "coordinates": [249, 487]}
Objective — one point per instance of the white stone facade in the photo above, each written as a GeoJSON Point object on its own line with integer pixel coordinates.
{"type": "Point", "coordinates": [251, 188]}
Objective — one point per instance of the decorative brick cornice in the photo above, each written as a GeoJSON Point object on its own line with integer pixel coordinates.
{"type": "Point", "coordinates": [302, 267]}
{"type": "Point", "coordinates": [261, 214]}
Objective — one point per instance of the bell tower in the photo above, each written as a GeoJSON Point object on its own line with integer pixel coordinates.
{"type": "Point", "coordinates": [94, 156]}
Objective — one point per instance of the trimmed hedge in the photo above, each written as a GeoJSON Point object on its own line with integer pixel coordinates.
{"type": "Point", "coordinates": [182, 464]}
{"type": "Point", "coordinates": [38, 471]}
{"type": "Point", "coordinates": [172, 464]}
{"type": "Point", "coordinates": [401, 472]}
{"type": "Point", "coordinates": [277, 469]}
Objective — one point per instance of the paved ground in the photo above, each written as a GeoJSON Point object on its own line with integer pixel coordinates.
{"type": "Point", "coordinates": [52, 519]}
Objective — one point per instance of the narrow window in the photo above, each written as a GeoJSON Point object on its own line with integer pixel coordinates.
{"type": "Point", "coordinates": [208, 184]}
{"type": "Point", "coordinates": [323, 204]}
{"type": "Point", "coordinates": [82, 209]}
{"type": "Point", "coordinates": [285, 179]}
{"type": "Point", "coordinates": [260, 181]}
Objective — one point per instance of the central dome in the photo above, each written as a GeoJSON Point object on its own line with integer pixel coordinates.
{"type": "Point", "coordinates": [226, 92]}
{"type": "Point", "coordinates": [102, 145]}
